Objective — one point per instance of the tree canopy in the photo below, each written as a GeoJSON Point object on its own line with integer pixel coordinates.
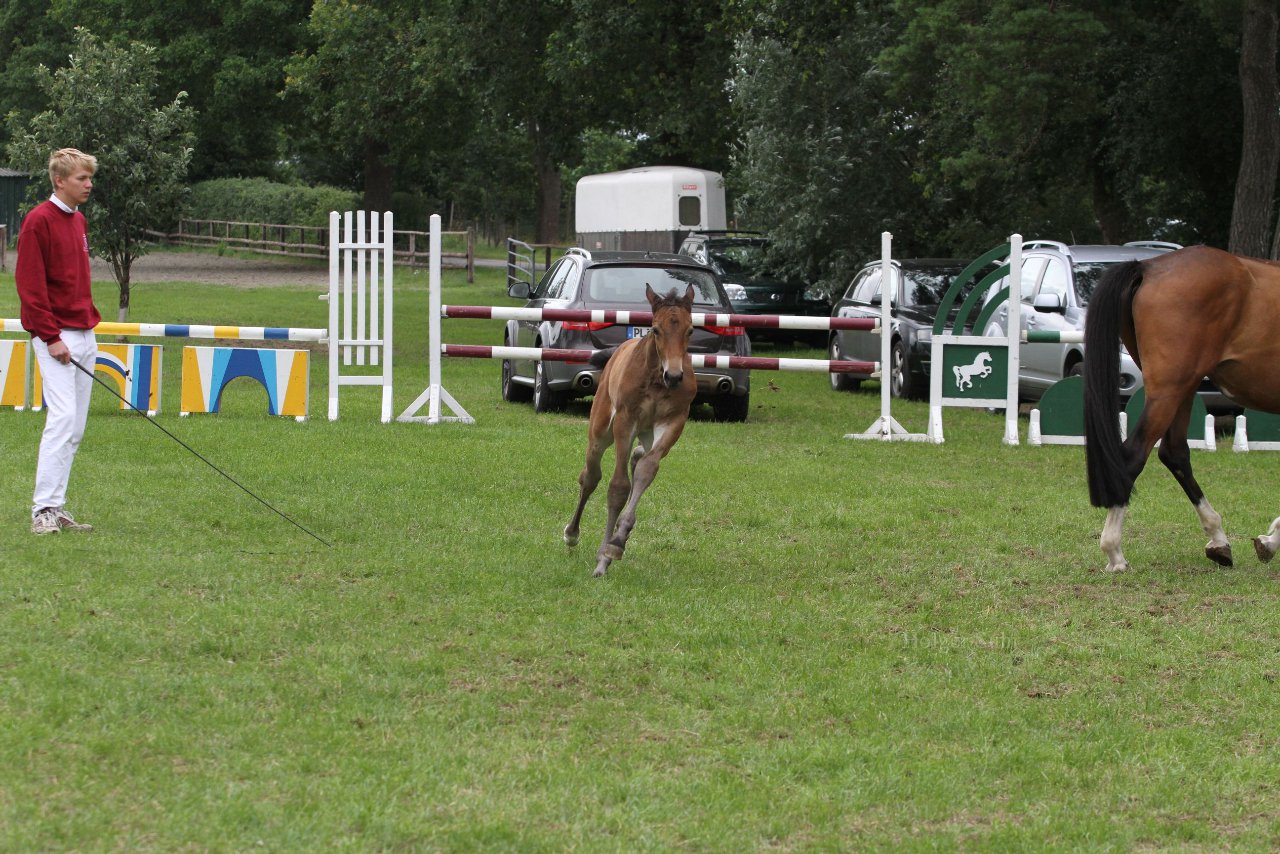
{"type": "Point", "coordinates": [948, 122]}
{"type": "Point", "coordinates": [103, 103]}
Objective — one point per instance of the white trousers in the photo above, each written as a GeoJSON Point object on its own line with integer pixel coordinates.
{"type": "Point", "coordinates": [66, 401]}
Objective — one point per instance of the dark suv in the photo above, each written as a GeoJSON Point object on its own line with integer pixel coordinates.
{"type": "Point", "coordinates": [615, 281]}
{"type": "Point", "coordinates": [917, 289]}
{"type": "Point", "coordinates": [741, 260]}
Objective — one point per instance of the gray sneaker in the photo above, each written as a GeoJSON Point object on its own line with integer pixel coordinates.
{"type": "Point", "coordinates": [45, 522]}
{"type": "Point", "coordinates": [66, 523]}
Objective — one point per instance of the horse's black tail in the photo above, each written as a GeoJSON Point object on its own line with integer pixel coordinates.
{"type": "Point", "coordinates": [600, 357]}
{"type": "Point", "coordinates": [1110, 479]}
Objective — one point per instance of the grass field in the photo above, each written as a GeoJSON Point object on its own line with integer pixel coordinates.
{"type": "Point", "coordinates": [812, 644]}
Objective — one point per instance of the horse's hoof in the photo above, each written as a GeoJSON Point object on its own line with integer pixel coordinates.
{"type": "Point", "coordinates": [599, 573]}
{"type": "Point", "coordinates": [1221, 555]}
{"type": "Point", "coordinates": [570, 540]}
{"type": "Point", "coordinates": [1122, 566]}
{"type": "Point", "coordinates": [1265, 550]}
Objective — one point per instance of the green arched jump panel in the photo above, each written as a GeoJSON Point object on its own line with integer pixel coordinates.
{"type": "Point", "coordinates": [949, 299]}
{"type": "Point", "coordinates": [1195, 430]}
{"type": "Point", "coordinates": [1062, 408]}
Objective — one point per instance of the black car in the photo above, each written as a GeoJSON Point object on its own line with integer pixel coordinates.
{"type": "Point", "coordinates": [615, 281]}
{"type": "Point", "coordinates": [741, 260]}
{"type": "Point", "coordinates": [917, 289]}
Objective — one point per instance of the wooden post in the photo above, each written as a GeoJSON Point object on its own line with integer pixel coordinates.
{"type": "Point", "coordinates": [471, 256]}
{"type": "Point", "coordinates": [4, 246]}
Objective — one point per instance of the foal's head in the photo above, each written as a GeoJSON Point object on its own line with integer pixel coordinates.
{"type": "Point", "coordinates": [672, 327]}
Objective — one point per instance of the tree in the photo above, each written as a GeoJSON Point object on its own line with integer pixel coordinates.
{"type": "Point", "coordinates": [826, 159]}
{"type": "Point", "coordinates": [377, 86]}
{"type": "Point", "coordinates": [1252, 232]}
{"type": "Point", "coordinates": [228, 55]}
{"type": "Point", "coordinates": [103, 103]}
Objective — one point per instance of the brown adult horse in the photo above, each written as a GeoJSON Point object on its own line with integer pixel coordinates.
{"type": "Point", "coordinates": [644, 393]}
{"type": "Point", "coordinates": [1186, 315]}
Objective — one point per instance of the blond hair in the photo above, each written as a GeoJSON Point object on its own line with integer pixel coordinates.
{"type": "Point", "coordinates": [65, 161]}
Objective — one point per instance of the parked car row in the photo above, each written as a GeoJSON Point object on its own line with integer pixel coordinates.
{"type": "Point", "coordinates": [730, 274]}
{"type": "Point", "coordinates": [615, 281]}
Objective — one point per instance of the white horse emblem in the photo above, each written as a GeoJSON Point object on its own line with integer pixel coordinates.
{"type": "Point", "coordinates": [981, 367]}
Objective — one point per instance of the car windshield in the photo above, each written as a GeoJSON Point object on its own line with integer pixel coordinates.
{"type": "Point", "coordinates": [929, 286]}
{"type": "Point", "coordinates": [739, 259]}
{"type": "Point", "coordinates": [626, 284]}
{"type": "Point", "coordinates": [1087, 276]}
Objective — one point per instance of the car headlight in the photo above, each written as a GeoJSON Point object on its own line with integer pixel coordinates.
{"type": "Point", "coordinates": [815, 295]}
{"type": "Point", "coordinates": [736, 293]}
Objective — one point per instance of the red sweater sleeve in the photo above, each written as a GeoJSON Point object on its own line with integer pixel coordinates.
{"type": "Point", "coordinates": [52, 273]}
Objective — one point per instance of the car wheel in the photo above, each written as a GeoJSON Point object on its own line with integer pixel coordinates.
{"type": "Point", "coordinates": [840, 382]}
{"type": "Point", "coordinates": [901, 383]}
{"type": "Point", "coordinates": [513, 392]}
{"type": "Point", "coordinates": [1075, 370]}
{"type": "Point", "coordinates": [544, 399]}
{"type": "Point", "coordinates": [731, 407]}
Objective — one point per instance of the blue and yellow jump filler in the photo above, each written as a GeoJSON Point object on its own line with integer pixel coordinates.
{"type": "Point", "coordinates": [206, 371]}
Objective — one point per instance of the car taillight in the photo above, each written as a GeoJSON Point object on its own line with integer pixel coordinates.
{"type": "Point", "coordinates": [727, 330]}
{"type": "Point", "coordinates": [586, 326]}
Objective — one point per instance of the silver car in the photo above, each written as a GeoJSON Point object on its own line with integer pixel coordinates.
{"type": "Point", "coordinates": [1057, 281]}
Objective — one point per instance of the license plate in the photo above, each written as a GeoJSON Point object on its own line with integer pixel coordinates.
{"type": "Point", "coordinates": [637, 331]}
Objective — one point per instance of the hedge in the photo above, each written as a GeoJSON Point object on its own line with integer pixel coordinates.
{"type": "Point", "coordinates": [260, 200]}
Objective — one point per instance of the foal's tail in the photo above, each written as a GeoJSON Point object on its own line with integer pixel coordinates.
{"type": "Point", "coordinates": [1110, 479]}
{"type": "Point", "coordinates": [600, 357]}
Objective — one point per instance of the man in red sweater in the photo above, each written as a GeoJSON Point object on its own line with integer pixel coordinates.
{"type": "Point", "coordinates": [52, 275]}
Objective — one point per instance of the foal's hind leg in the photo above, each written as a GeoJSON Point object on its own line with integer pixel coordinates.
{"type": "Point", "coordinates": [1266, 545]}
{"type": "Point", "coordinates": [1176, 456]}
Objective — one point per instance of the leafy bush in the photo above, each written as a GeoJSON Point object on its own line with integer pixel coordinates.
{"type": "Point", "coordinates": [260, 200]}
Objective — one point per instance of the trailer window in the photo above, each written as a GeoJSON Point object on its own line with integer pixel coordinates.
{"type": "Point", "coordinates": [690, 210]}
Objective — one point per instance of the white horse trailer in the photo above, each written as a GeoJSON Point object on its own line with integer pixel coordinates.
{"type": "Point", "coordinates": [652, 207]}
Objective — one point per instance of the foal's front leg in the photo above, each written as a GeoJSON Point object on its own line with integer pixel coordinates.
{"type": "Point", "coordinates": [620, 486]}
{"type": "Point", "coordinates": [587, 482]}
{"type": "Point", "coordinates": [599, 438]}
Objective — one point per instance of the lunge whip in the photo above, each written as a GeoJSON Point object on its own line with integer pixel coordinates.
{"type": "Point", "coordinates": [262, 501]}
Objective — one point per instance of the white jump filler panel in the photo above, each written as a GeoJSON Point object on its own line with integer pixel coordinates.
{"type": "Point", "coordinates": [360, 304]}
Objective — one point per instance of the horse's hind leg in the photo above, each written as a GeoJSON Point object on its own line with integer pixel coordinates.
{"type": "Point", "coordinates": [1176, 456]}
{"type": "Point", "coordinates": [1267, 544]}
{"type": "Point", "coordinates": [1112, 533]}
{"type": "Point", "coordinates": [1137, 448]}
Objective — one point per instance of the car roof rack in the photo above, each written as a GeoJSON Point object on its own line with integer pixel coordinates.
{"type": "Point", "coordinates": [1154, 244]}
{"type": "Point", "coordinates": [578, 250]}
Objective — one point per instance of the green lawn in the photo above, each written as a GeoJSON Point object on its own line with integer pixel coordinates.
{"type": "Point", "coordinates": [812, 644]}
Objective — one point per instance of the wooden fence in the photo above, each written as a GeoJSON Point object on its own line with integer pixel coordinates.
{"type": "Point", "coordinates": [310, 241]}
